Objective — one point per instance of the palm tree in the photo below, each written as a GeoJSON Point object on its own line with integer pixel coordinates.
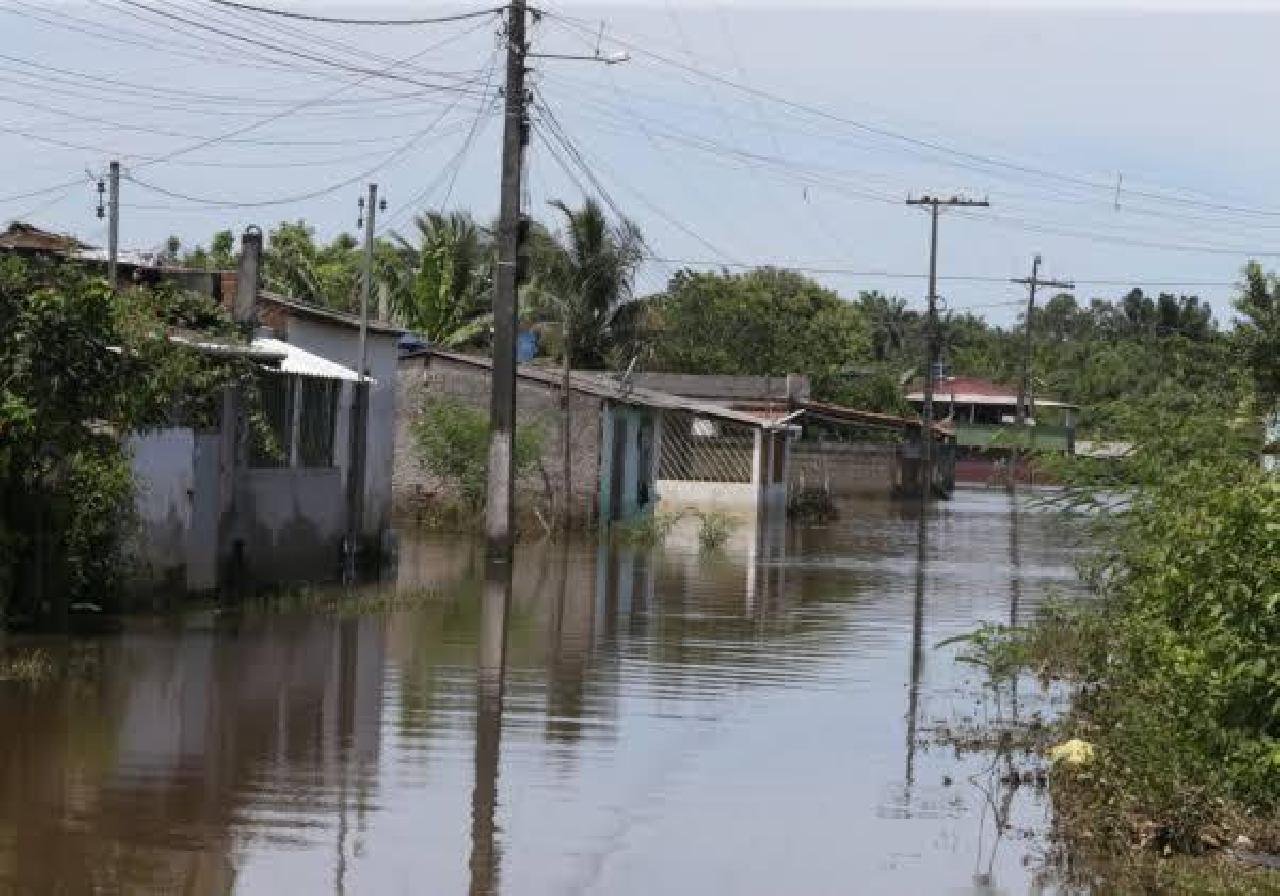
{"type": "Point", "coordinates": [582, 278]}
{"type": "Point", "coordinates": [442, 287]}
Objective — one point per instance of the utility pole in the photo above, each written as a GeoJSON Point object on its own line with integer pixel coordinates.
{"type": "Point", "coordinates": [499, 515]}
{"type": "Point", "coordinates": [360, 403]}
{"type": "Point", "coordinates": [931, 334]}
{"type": "Point", "coordinates": [1024, 409]}
{"type": "Point", "coordinates": [368, 212]}
{"type": "Point", "coordinates": [113, 225]}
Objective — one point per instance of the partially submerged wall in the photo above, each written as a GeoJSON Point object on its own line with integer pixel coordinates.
{"type": "Point", "coordinates": [164, 485]}
{"type": "Point", "coordinates": [845, 469]}
{"type": "Point", "coordinates": [537, 404]}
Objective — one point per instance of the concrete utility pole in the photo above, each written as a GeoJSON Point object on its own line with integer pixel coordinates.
{"type": "Point", "coordinates": [1024, 410]}
{"type": "Point", "coordinates": [931, 333]}
{"type": "Point", "coordinates": [113, 225]}
{"type": "Point", "coordinates": [360, 403]}
{"type": "Point", "coordinates": [368, 214]}
{"type": "Point", "coordinates": [499, 515]}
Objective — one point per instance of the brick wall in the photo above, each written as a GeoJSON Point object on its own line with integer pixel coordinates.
{"type": "Point", "coordinates": [536, 403]}
{"type": "Point", "coordinates": [844, 468]}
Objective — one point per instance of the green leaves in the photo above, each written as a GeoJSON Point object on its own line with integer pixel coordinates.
{"type": "Point", "coordinates": [452, 442]}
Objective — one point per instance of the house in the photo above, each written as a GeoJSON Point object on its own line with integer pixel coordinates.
{"type": "Point", "coordinates": [223, 506]}
{"type": "Point", "coordinates": [842, 451]}
{"type": "Point", "coordinates": [217, 506]}
{"type": "Point", "coordinates": [633, 449]}
{"type": "Point", "coordinates": [983, 416]}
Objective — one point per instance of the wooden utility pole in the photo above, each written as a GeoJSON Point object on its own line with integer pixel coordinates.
{"type": "Point", "coordinates": [931, 334]}
{"type": "Point", "coordinates": [1024, 410]}
{"type": "Point", "coordinates": [499, 510]}
{"type": "Point", "coordinates": [113, 225]}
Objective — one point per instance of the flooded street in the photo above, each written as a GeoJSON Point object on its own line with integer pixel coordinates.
{"type": "Point", "coordinates": [631, 721]}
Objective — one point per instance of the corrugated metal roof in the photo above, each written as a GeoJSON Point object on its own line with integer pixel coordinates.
{"type": "Point", "coordinates": [973, 390]}
{"type": "Point", "coordinates": [606, 386]}
{"type": "Point", "coordinates": [304, 363]}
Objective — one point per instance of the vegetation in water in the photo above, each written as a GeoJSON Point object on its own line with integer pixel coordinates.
{"type": "Point", "coordinates": [714, 529]}
{"type": "Point", "coordinates": [81, 368]}
{"type": "Point", "coordinates": [649, 530]}
{"type": "Point", "coordinates": [452, 442]}
{"type": "Point", "coordinates": [30, 666]}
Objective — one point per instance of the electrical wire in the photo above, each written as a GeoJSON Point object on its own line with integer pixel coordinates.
{"type": "Point", "coordinates": [985, 161]}
{"type": "Point", "coordinates": [290, 14]}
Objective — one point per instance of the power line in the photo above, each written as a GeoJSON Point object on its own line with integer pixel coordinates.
{"type": "Point", "coordinates": [919, 143]}
{"type": "Point", "coordinates": [307, 17]}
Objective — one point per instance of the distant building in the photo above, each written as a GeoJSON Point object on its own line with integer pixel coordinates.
{"type": "Point", "coordinates": [634, 449]}
{"type": "Point", "coordinates": [984, 417]}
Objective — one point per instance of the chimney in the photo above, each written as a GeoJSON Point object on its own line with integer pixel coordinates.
{"type": "Point", "coordinates": [797, 387]}
{"type": "Point", "coordinates": [245, 310]}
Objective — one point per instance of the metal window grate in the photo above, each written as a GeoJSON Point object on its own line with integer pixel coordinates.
{"type": "Point", "coordinates": [699, 449]}
{"type": "Point", "coordinates": [317, 417]}
{"type": "Point", "coordinates": [276, 393]}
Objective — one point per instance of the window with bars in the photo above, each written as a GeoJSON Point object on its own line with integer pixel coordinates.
{"type": "Point", "coordinates": [300, 414]}
{"type": "Point", "coordinates": [317, 419]}
{"type": "Point", "coordinates": [270, 444]}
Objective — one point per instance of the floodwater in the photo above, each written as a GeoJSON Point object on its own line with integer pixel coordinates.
{"type": "Point", "coordinates": [628, 721]}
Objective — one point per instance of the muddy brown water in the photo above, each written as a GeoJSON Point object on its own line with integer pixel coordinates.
{"type": "Point", "coordinates": [630, 721]}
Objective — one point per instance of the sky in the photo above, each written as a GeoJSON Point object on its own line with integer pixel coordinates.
{"type": "Point", "coordinates": [1130, 144]}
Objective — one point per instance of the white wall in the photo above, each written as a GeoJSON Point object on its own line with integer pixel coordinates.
{"type": "Point", "coordinates": [341, 344]}
{"type": "Point", "coordinates": [164, 483]}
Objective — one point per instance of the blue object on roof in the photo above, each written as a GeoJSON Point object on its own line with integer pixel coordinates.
{"type": "Point", "coordinates": [526, 346]}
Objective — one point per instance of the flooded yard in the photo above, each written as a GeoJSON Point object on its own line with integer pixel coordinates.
{"type": "Point", "coordinates": [630, 721]}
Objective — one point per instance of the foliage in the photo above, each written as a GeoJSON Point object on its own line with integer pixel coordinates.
{"type": "Point", "coordinates": [442, 287]}
{"type": "Point", "coordinates": [293, 264]}
{"type": "Point", "coordinates": [581, 278]}
{"type": "Point", "coordinates": [220, 256]}
{"type": "Point", "coordinates": [81, 368]}
{"type": "Point", "coordinates": [452, 442]}
{"type": "Point", "coordinates": [767, 321]}
{"type": "Point", "coordinates": [649, 530]}
{"type": "Point", "coordinates": [1259, 331]}
{"type": "Point", "coordinates": [714, 529]}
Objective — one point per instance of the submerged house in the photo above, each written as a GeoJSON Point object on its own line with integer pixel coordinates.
{"type": "Point", "coordinates": [984, 415]}
{"type": "Point", "coordinates": [217, 506]}
{"type": "Point", "coordinates": [634, 449]}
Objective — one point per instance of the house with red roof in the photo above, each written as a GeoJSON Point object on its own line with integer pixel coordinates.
{"type": "Point", "coordinates": [984, 417]}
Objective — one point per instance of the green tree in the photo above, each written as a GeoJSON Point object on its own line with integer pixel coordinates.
{"type": "Point", "coordinates": [81, 367]}
{"type": "Point", "coordinates": [1258, 332]}
{"type": "Point", "coordinates": [452, 441]}
{"type": "Point", "coordinates": [767, 321]}
{"type": "Point", "coordinates": [441, 286]}
{"type": "Point", "coordinates": [294, 264]}
{"type": "Point", "coordinates": [582, 277]}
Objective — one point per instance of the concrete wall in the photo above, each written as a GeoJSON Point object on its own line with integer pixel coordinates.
{"type": "Point", "coordinates": [845, 469]}
{"type": "Point", "coordinates": [164, 482]}
{"type": "Point", "coordinates": [289, 523]}
{"type": "Point", "coordinates": [638, 493]}
{"type": "Point", "coordinates": [536, 404]}
{"type": "Point", "coordinates": [341, 344]}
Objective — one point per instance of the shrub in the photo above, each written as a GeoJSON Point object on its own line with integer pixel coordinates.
{"type": "Point", "coordinates": [452, 442]}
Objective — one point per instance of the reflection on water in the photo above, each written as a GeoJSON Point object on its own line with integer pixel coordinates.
{"type": "Point", "coordinates": [594, 719]}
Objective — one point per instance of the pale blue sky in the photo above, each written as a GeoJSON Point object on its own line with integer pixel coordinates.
{"type": "Point", "coordinates": [1039, 109]}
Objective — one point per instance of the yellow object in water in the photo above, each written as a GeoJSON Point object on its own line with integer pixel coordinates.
{"type": "Point", "coordinates": [1073, 752]}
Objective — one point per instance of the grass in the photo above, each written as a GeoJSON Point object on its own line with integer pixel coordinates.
{"type": "Point", "coordinates": [29, 666]}
{"type": "Point", "coordinates": [332, 601]}
{"type": "Point", "coordinates": [1155, 811]}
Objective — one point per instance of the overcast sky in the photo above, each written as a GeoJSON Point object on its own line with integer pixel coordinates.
{"type": "Point", "coordinates": [737, 134]}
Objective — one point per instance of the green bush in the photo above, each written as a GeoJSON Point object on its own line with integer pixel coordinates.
{"type": "Point", "coordinates": [452, 442]}
{"type": "Point", "coordinates": [714, 529]}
